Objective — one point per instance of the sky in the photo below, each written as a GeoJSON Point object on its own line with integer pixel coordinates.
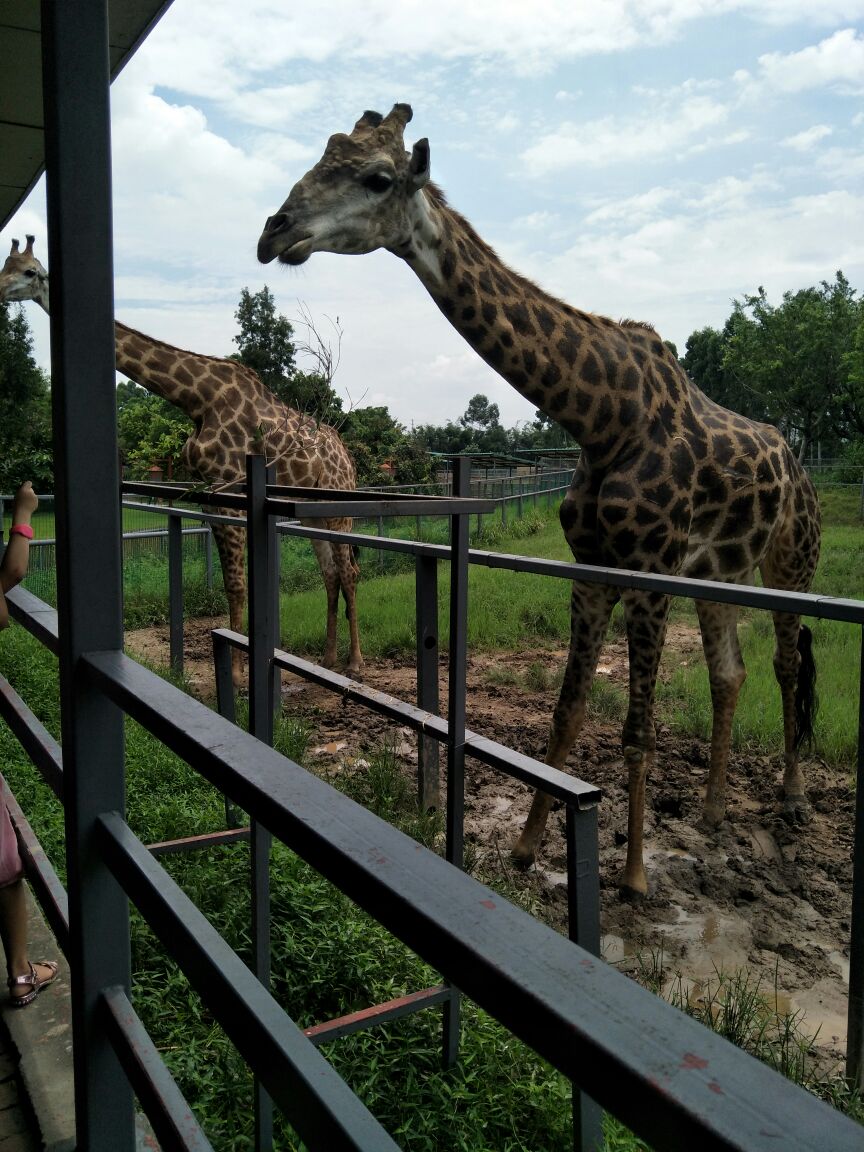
{"type": "Point", "coordinates": [647, 159]}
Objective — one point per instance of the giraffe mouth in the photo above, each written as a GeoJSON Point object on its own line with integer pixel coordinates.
{"type": "Point", "coordinates": [297, 252]}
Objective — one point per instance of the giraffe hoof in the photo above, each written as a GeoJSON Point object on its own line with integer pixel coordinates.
{"type": "Point", "coordinates": [796, 810]}
{"type": "Point", "coordinates": [713, 816]}
{"type": "Point", "coordinates": [522, 855]}
{"type": "Point", "coordinates": [629, 895]}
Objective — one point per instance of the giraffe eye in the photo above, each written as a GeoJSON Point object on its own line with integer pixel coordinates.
{"type": "Point", "coordinates": [377, 182]}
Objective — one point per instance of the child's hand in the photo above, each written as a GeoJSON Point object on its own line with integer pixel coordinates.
{"type": "Point", "coordinates": [25, 503]}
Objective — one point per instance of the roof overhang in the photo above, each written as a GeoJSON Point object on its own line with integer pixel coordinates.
{"type": "Point", "coordinates": [22, 137]}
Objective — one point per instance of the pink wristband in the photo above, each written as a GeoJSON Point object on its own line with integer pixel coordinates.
{"type": "Point", "coordinates": [22, 530]}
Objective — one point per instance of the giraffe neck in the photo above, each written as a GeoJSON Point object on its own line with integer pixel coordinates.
{"type": "Point", "coordinates": [184, 378]}
{"type": "Point", "coordinates": [583, 371]}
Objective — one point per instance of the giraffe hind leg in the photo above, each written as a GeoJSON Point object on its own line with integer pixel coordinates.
{"type": "Point", "coordinates": [726, 674]}
{"type": "Point", "coordinates": [349, 574]}
{"type": "Point", "coordinates": [795, 672]}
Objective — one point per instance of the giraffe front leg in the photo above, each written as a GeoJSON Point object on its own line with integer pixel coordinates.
{"type": "Point", "coordinates": [645, 614]}
{"type": "Point", "coordinates": [230, 544]}
{"type": "Point", "coordinates": [633, 884]}
{"type": "Point", "coordinates": [324, 555]}
{"type": "Point", "coordinates": [590, 608]}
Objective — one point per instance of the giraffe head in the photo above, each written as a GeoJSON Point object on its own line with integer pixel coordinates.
{"type": "Point", "coordinates": [357, 197]}
{"type": "Point", "coordinates": [23, 277]}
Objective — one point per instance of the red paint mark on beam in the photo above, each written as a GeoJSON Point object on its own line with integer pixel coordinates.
{"type": "Point", "coordinates": [691, 1060]}
{"type": "Point", "coordinates": [490, 904]}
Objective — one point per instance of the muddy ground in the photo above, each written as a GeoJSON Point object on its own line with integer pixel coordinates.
{"type": "Point", "coordinates": [758, 893]}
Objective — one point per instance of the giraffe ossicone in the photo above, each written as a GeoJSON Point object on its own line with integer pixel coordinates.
{"type": "Point", "coordinates": [234, 415]}
{"type": "Point", "coordinates": [668, 481]}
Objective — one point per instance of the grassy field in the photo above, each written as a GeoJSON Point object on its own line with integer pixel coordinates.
{"type": "Point", "coordinates": [328, 957]}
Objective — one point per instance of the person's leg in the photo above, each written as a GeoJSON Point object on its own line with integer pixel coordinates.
{"type": "Point", "coordinates": [13, 931]}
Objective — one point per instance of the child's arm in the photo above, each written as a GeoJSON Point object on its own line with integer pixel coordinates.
{"type": "Point", "coordinates": [13, 566]}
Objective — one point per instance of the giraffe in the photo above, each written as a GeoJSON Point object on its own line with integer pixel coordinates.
{"type": "Point", "coordinates": [234, 414]}
{"type": "Point", "coordinates": [668, 481]}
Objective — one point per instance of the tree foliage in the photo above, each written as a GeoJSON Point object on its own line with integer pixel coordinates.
{"type": "Point", "coordinates": [25, 408]}
{"type": "Point", "coordinates": [793, 364]}
{"type": "Point", "coordinates": [150, 430]}
{"type": "Point", "coordinates": [268, 346]}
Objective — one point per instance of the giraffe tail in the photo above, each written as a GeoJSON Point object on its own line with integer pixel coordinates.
{"type": "Point", "coordinates": [806, 700]}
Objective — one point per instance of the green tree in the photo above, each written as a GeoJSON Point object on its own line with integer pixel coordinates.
{"type": "Point", "coordinates": [150, 430]}
{"type": "Point", "coordinates": [382, 451]}
{"type": "Point", "coordinates": [795, 357]}
{"type": "Point", "coordinates": [265, 340]}
{"type": "Point", "coordinates": [267, 345]}
{"type": "Point", "coordinates": [25, 408]}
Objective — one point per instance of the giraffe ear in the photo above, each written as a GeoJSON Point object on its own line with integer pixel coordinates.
{"type": "Point", "coordinates": [418, 166]}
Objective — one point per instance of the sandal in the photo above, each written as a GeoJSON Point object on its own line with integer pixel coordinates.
{"type": "Point", "coordinates": [32, 981]}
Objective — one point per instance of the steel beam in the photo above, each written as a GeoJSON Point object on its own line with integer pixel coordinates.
{"type": "Point", "coordinates": [89, 575]}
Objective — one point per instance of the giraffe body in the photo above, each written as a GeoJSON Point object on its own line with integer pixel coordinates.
{"type": "Point", "coordinates": [234, 415]}
{"type": "Point", "coordinates": [668, 482]}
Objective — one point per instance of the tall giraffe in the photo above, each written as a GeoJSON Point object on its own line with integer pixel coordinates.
{"type": "Point", "coordinates": [668, 481]}
{"type": "Point", "coordinates": [234, 414]}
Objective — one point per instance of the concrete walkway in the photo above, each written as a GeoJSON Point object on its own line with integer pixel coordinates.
{"type": "Point", "coordinates": [39, 1051]}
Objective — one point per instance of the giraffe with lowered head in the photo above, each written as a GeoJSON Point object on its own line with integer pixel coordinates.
{"type": "Point", "coordinates": [234, 414]}
{"type": "Point", "coordinates": [668, 481]}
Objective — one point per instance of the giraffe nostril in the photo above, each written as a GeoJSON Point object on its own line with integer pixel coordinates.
{"type": "Point", "coordinates": [277, 223]}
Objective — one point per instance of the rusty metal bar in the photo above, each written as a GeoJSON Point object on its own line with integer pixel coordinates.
{"type": "Point", "coordinates": [173, 1121]}
{"type": "Point", "coordinates": [377, 1014]}
{"type": "Point", "coordinates": [204, 840]}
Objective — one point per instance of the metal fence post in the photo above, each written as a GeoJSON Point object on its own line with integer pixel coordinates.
{"type": "Point", "coordinates": [208, 556]}
{"type": "Point", "coordinates": [175, 592]}
{"type": "Point", "coordinates": [855, 1021]}
{"type": "Point", "coordinates": [78, 163]}
{"type": "Point", "coordinates": [456, 688]}
{"type": "Point", "coordinates": [428, 766]}
{"type": "Point", "coordinates": [261, 537]}
{"type": "Point", "coordinates": [583, 910]}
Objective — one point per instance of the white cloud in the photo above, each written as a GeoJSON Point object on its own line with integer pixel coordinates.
{"type": "Point", "coordinates": [808, 139]}
{"type": "Point", "coordinates": [656, 133]}
{"type": "Point", "coordinates": [833, 63]}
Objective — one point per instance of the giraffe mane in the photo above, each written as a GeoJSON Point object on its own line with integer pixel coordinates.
{"type": "Point", "coordinates": [439, 198]}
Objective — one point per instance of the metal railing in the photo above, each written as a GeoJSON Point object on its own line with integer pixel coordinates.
{"type": "Point", "coordinates": [672, 1081]}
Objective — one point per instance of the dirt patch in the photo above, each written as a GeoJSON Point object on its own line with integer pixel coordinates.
{"type": "Point", "coordinates": [756, 893]}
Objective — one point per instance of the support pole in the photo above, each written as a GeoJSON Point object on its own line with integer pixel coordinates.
{"type": "Point", "coordinates": [175, 593]}
{"type": "Point", "coordinates": [428, 762]}
{"type": "Point", "coordinates": [583, 907]}
{"type": "Point", "coordinates": [261, 538]}
{"type": "Point", "coordinates": [855, 1022]}
{"type": "Point", "coordinates": [78, 162]}
{"type": "Point", "coordinates": [456, 688]}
